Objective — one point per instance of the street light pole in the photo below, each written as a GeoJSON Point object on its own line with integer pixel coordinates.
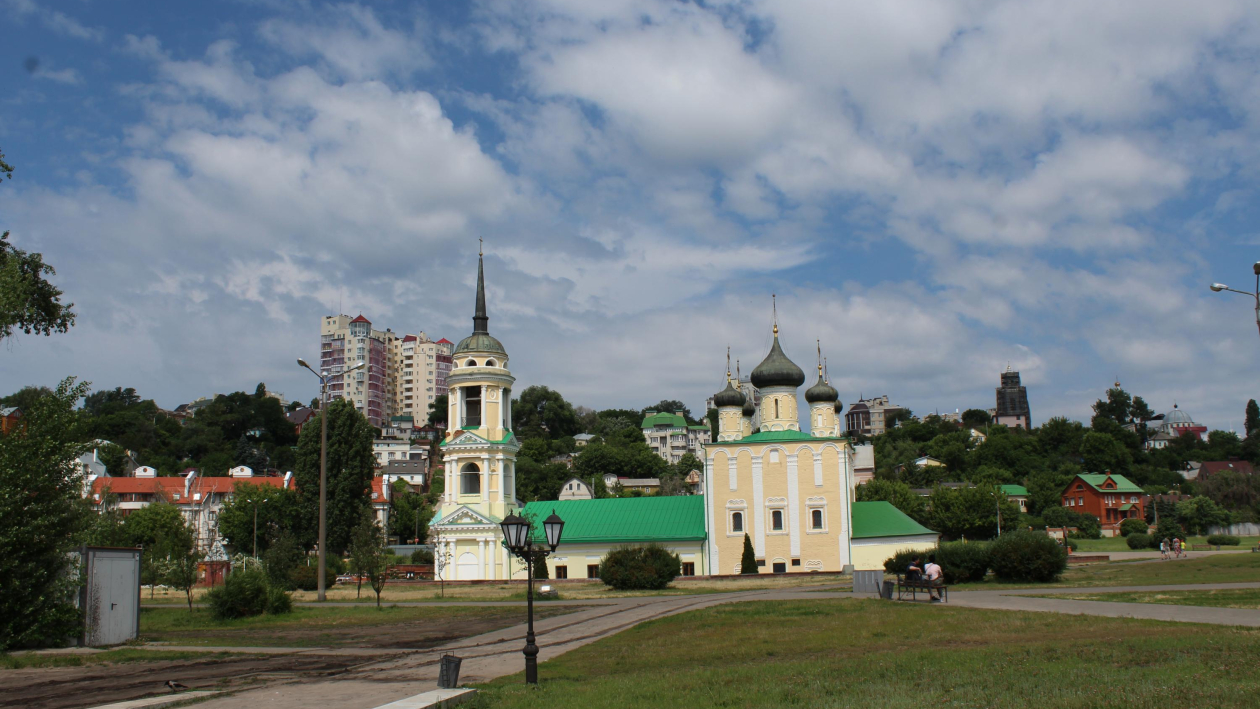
{"type": "Point", "coordinates": [516, 534]}
{"type": "Point", "coordinates": [1218, 287]}
{"type": "Point", "coordinates": [323, 467]}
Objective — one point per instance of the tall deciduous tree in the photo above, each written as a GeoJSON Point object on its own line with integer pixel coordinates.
{"type": "Point", "coordinates": [350, 469]}
{"type": "Point", "coordinates": [28, 302]}
{"type": "Point", "coordinates": [1252, 421]}
{"type": "Point", "coordinates": [543, 413]}
{"type": "Point", "coordinates": [438, 409]}
{"type": "Point", "coordinates": [42, 518]}
{"type": "Point", "coordinates": [899, 494]}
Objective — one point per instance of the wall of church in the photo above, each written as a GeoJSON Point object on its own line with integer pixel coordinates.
{"type": "Point", "coordinates": [791, 499]}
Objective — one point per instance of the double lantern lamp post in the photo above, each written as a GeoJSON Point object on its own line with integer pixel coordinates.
{"type": "Point", "coordinates": [516, 533]}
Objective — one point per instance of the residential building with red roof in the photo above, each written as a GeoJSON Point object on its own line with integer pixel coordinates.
{"type": "Point", "coordinates": [1111, 498]}
{"type": "Point", "coordinates": [1237, 465]}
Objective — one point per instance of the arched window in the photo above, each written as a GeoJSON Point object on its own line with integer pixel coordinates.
{"type": "Point", "coordinates": [776, 520]}
{"type": "Point", "coordinates": [816, 519]}
{"type": "Point", "coordinates": [470, 363]}
{"type": "Point", "coordinates": [470, 479]}
{"type": "Point", "coordinates": [776, 408]}
{"type": "Point", "coordinates": [737, 521]}
{"type": "Point", "coordinates": [490, 363]}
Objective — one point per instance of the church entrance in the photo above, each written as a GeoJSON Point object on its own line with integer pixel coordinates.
{"type": "Point", "coordinates": [468, 568]}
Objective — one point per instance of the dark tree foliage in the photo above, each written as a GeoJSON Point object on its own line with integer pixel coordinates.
{"type": "Point", "coordinates": [540, 567]}
{"type": "Point", "coordinates": [649, 567]}
{"type": "Point", "coordinates": [42, 519]}
{"type": "Point", "coordinates": [668, 406]}
{"type": "Point", "coordinates": [748, 560]}
{"type": "Point", "coordinates": [25, 397]}
{"type": "Point", "coordinates": [543, 413]}
{"type": "Point", "coordinates": [351, 466]}
{"type": "Point", "coordinates": [28, 301]}
{"type": "Point", "coordinates": [1251, 423]}
{"type": "Point", "coordinates": [279, 511]}
{"type": "Point", "coordinates": [975, 418]}
{"type": "Point", "coordinates": [438, 410]}
{"type": "Point", "coordinates": [1022, 555]}
{"type": "Point", "coordinates": [899, 494]}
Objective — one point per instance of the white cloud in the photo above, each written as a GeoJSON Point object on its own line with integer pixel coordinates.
{"type": "Point", "coordinates": [351, 41]}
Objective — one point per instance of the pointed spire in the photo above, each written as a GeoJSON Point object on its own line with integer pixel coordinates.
{"type": "Point", "coordinates": [818, 344]}
{"type": "Point", "coordinates": [728, 364]}
{"type": "Point", "coordinates": [480, 319]}
{"type": "Point", "coordinates": [774, 309]}
{"type": "Point", "coordinates": [826, 377]}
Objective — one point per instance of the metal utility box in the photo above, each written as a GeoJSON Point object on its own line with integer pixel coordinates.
{"type": "Point", "coordinates": [110, 596]}
{"type": "Point", "coordinates": [867, 581]}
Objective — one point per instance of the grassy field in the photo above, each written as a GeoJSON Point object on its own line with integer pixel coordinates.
{"type": "Point", "coordinates": [332, 626]}
{"type": "Point", "coordinates": [879, 654]}
{"type": "Point", "coordinates": [1119, 544]}
{"type": "Point", "coordinates": [1221, 568]}
{"type": "Point", "coordinates": [411, 593]}
{"type": "Point", "coordinates": [1216, 598]}
{"type": "Point", "coordinates": [21, 661]}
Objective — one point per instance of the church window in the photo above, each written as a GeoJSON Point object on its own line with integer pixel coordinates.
{"type": "Point", "coordinates": [562, 572]}
{"type": "Point", "coordinates": [737, 521]}
{"type": "Point", "coordinates": [472, 405]}
{"type": "Point", "coordinates": [776, 408]}
{"type": "Point", "coordinates": [470, 479]}
{"type": "Point", "coordinates": [816, 519]}
{"type": "Point", "coordinates": [776, 520]}
{"type": "Point", "coordinates": [490, 363]}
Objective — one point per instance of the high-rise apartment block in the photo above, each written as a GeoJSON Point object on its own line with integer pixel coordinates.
{"type": "Point", "coordinates": [404, 373]}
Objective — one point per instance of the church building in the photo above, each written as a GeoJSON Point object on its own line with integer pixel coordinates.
{"type": "Point", "coordinates": [479, 452]}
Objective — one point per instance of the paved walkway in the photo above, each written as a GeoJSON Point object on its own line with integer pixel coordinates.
{"type": "Point", "coordinates": [498, 653]}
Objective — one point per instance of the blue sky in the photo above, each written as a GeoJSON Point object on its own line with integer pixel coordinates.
{"type": "Point", "coordinates": [931, 190]}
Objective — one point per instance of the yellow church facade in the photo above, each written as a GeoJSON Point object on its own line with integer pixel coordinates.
{"type": "Point", "coordinates": [791, 492]}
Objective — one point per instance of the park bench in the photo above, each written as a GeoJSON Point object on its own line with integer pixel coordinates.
{"type": "Point", "coordinates": [905, 585]}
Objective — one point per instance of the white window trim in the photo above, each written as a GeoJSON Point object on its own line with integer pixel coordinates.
{"type": "Point", "coordinates": [809, 518]}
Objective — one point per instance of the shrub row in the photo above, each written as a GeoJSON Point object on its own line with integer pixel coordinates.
{"type": "Point", "coordinates": [1228, 540]}
{"type": "Point", "coordinates": [1019, 555]}
{"type": "Point", "coordinates": [1133, 525]}
{"type": "Point", "coordinates": [643, 567]}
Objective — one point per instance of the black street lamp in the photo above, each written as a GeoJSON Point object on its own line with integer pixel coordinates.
{"type": "Point", "coordinates": [516, 533]}
{"type": "Point", "coordinates": [1218, 287]}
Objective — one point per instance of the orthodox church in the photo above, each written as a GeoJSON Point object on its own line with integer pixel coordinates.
{"type": "Point", "coordinates": [790, 491]}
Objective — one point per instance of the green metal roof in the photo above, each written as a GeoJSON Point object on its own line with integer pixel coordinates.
{"type": "Point", "coordinates": [881, 519]}
{"type": "Point", "coordinates": [624, 520]}
{"type": "Point", "coordinates": [1126, 507]}
{"type": "Point", "coordinates": [698, 427]}
{"type": "Point", "coordinates": [1096, 480]}
{"type": "Point", "coordinates": [507, 436]}
{"type": "Point", "coordinates": [776, 437]}
{"type": "Point", "coordinates": [1014, 490]}
{"type": "Point", "coordinates": [402, 418]}
{"type": "Point", "coordinates": [664, 419]}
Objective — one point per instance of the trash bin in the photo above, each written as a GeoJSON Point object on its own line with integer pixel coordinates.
{"type": "Point", "coordinates": [887, 591]}
{"type": "Point", "coordinates": [448, 672]}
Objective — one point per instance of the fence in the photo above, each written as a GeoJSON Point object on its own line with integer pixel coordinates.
{"type": "Point", "coordinates": [1242, 529]}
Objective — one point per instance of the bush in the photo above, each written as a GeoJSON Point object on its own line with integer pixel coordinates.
{"type": "Point", "coordinates": [1133, 525]}
{"type": "Point", "coordinates": [961, 562]}
{"type": "Point", "coordinates": [245, 594]}
{"type": "Point", "coordinates": [901, 560]}
{"type": "Point", "coordinates": [1073, 544]}
{"type": "Point", "coordinates": [306, 578]}
{"type": "Point", "coordinates": [281, 558]}
{"type": "Point", "coordinates": [1167, 529]}
{"type": "Point", "coordinates": [1024, 555]}
{"type": "Point", "coordinates": [1227, 540]}
{"type": "Point", "coordinates": [1138, 541]}
{"type": "Point", "coordinates": [1089, 526]}
{"type": "Point", "coordinates": [422, 556]}
{"type": "Point", "coordinates": [646, 567]}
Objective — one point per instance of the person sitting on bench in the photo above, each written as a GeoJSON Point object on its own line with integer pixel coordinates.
{"type": "Point", "coordinates": [933, 573]}
{"type": "Point", "coordinates": [914, 571]}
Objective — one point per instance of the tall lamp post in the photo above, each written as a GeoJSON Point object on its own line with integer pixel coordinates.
{"type": "Point", "coordinates": [255, 503]}
{"type": "Point", "coordinates": [323, 460]}
{"type": "Point", "coordinates": [519, 541]}
{"type": "Point", "coordinates": [1218, 287]}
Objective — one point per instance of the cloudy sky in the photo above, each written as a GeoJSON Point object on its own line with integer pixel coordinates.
{"type": "Point", "coordinates": [933, 190]}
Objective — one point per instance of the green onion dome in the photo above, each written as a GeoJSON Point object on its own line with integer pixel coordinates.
{"type": "Point", "coordinates": [750, 409]}
{"type": "Point", "coordinates": [730, 396]}
{"type": "Point", "coordinates": [821, 392]}
{"type": "Point", "coordinates": [776, 370]}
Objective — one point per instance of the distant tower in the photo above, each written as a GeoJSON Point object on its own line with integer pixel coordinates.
{"type": "Point", "coordinates": [822, 405]}
{"type": "Point", "coordinates": [778, 377]}
{"type": "Point", "coordinates": [729, 403]}
{"type": "Point", "coordinates": [1012, 402]}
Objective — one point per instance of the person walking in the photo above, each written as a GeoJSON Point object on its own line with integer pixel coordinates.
{"type": "Point", "coordinates": [1163, 549]}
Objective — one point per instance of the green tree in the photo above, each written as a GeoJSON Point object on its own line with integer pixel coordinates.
{"type": "Point", "coordinates": [28, 302]}
{"type": "Point", "coordinates": [160, 529]}
{"type": "Point", "coordinates": [107, 529]}
{"type": "Point", "coordinates": [1102, 453]}
{"type": "Point", "coordinates": [543, 413]}
{"type": "Point", "coordinates": [367, 552]}
{"type": "Point", "coordinates": [975, 418]}
{"type": "Point", "coordinates": [540, 567]}
{"type": "Point", "coordinates": [25, 397]}
{"type": "Point", "coordinates": [42, 519]}
{"type": "Point", "coordinates": [438, 409]}
{"type": "Point", "coordinates": [410, 513]}
{"type": "Point", "coordinates": [281, 558]}
{"type": "Point", "coordinates": [351, 466]}
{"type": "Point", "coordinates": [669, 406]}
{"type": "Point", "coordinates": [1252, 421]}
{"type": "Point", "coordinates": [970, 512]}
{"type": "Point", "coordinates": [748, 562]}
{"type": "Point", "coordinates": [182, 572]}
{"type": "Point", "coordinates": [1198, 514]}
{"type": "Point", "coordinates": [899, 494]}
{"type": "Point", "coordinates": [279, 510]}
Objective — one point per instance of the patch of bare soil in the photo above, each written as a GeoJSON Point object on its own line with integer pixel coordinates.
{"type": "Point", "coordinates": [93, 685]}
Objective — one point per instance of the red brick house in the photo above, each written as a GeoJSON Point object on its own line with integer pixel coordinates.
{"type": "Point", "coordinates": [1110, 498]}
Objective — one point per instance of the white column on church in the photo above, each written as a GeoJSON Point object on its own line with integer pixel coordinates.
{"type": "Point", "coordinates": [485, 478]}
{"type": "Point", "coordinates": [498, 460]}
{"type": "Point", "coordinates": [481, 555]}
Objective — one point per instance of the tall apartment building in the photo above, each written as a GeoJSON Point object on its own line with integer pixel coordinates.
{"type": "Point", "coordinates": [868, 416]}
{"type": "Point", "coordinates": [404, 373]}
{"type": "Point", "coordinates": [1012, 402]}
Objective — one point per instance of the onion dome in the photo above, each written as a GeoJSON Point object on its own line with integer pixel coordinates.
{"type": "Point", "coordinates": [839, 406]}
{"type": "Point", "coordinates": [730, 396]}
{"type": "Point", "coordinates": [776, 370]}
{"type": "Point", "coordinates": [821, 392]}
{"type": "Point", "coordinates": [750, 409]}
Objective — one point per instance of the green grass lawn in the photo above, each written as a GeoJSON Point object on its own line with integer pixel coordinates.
{"type": "Point", "coordinates": [21, 661]}
{"type": "Point", "coordinates": [1215, 598]}
{"type": "Point", "coordinates": [870, 653]}
{"type": "Point", "coordinates": [1119, 544]}
{"type": "Point", "coordinates": [1221, 568]}
{"type": "Point", "coordinates": [331, 626]}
